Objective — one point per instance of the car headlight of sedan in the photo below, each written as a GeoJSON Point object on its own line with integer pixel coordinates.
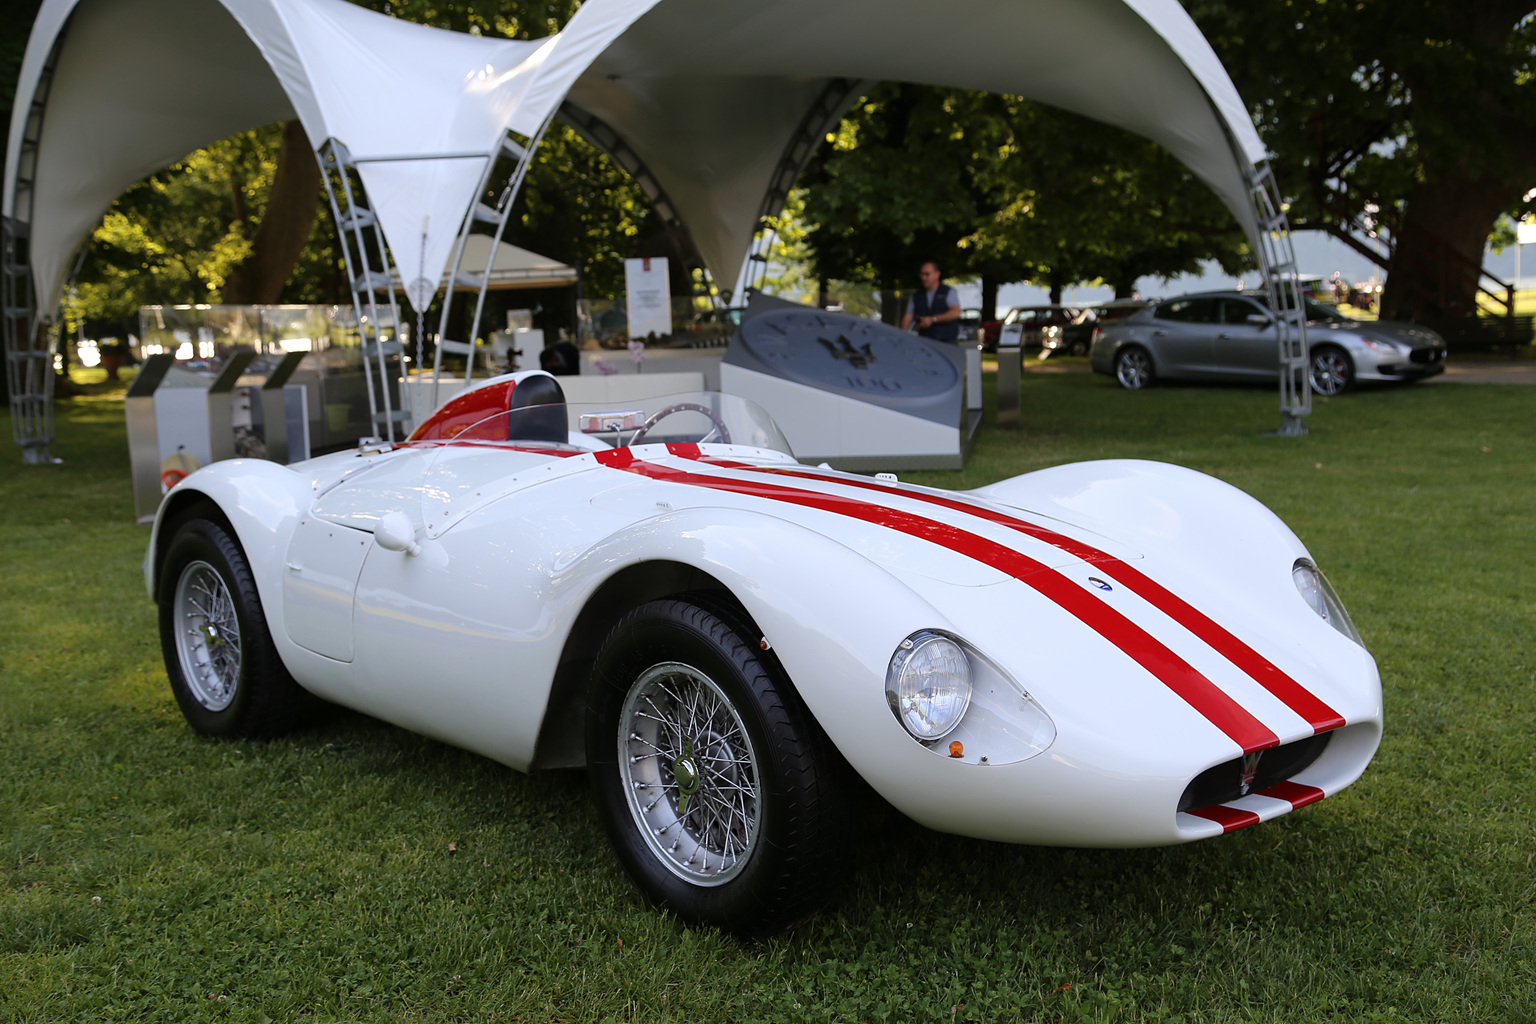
{"type": "Point", "coordinates": [962, 706]}
{"type": "Point", "coordinates": [1322, 598]}
{"type": "Point", "coordinates": [1386, 348]}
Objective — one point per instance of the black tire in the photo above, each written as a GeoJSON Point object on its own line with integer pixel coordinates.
{"type": "Point", "coordinates": [767, 787]}
{"type": "Point", "coordinates": [1330, 370]}
{"type": "Point", "coordinates": [238, 689]}
{"type": "Point", "coordinates": [1134, 369]}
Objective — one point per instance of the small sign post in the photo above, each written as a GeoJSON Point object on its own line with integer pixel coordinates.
{"type": "Point", "coordinates": [648, 296]}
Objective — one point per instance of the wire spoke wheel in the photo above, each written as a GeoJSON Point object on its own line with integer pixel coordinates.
{"type": "Point", "coordinates": [690, 773]}
{"type": "Point", "coordinates": [219, 657]}
{"type": "Point", "coordinates": [207, 635]}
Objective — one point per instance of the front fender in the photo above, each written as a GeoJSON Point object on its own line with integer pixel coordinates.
{"type": "Point", "coordinates": [1167, 512]}
{"type": "Point", "coordinates": [832, 617]}
{"type": "Point", "coordinates": [262, 502]}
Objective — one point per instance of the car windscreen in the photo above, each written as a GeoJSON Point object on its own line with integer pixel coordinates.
{"type": "Point", "coordinates": [699, 417]}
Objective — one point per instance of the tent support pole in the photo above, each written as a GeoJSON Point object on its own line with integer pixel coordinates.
{"type": "Point", "coordinates": [1277, 262]}
{"type": "Point", "coordinates": [26, 337]}
{"type": "Point", "coordinates": [356, 227]}
{"type": "Point", "coordinates": [496, 217]}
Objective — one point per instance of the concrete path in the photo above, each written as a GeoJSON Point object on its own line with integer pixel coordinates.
{"type": "Point", "coordinates": [1462, 370]}
{"type": "Point", "coordinates": [1487, 370]}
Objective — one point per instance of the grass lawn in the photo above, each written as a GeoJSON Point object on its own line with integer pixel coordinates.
{"type": "Point", "coordinates": [357, 872]}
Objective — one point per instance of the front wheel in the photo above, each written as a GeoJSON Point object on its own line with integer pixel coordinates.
{"type": "Point", "coordinates": [1331, 370]}
{"type": "Point", "coordinates": [717, 789]}
{"type": "Point", "coordinates": [1133, 368]}
{"type": "Point", "coordinates": [225, 672]}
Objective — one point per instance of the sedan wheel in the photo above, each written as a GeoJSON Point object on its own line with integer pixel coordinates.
{"type": "Point", "coordinates": [717, 789]}
{"type": "Point", "coordinates": [224, 671]}
{"type": "Point", "coordinates": [1133, 368]}
{"type": "Point", "coordinates": [1332, 372]}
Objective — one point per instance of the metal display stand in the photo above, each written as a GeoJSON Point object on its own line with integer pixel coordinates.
{"type": "Point", "coordinates": [276, 398]}
{"type": "Point", "coordinates": [1010, 371]}
{"type": "Point", "coordinates": [144, 435]}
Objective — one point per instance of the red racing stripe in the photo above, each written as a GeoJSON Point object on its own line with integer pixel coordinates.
{"type": "Point", "coordinates": [1178, 675]}
{"type": "Point", "coordinates": [1229, 818]}
{"type": "Point", "coordinates": [1293, 793]}
{"type": "Point", "coordinates": [1295, 696]}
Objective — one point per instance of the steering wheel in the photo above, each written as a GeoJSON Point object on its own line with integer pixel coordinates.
{"type": "Point", "coordinates": [719, 433]}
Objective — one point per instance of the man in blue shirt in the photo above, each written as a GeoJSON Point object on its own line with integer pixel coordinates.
{"type": "Point", "coordinates": [936, 308]}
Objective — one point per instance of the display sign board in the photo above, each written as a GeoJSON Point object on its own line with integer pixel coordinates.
{"type": "Point", "coordinates": [855, 392]}
{"type": "Point", "coordinates": [649, 294]}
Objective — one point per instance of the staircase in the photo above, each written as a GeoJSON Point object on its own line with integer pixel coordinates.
{"type": "Point", "coordinates": [373, 293]}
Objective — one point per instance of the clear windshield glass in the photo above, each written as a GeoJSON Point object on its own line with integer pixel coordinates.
{"type": "Point", "coordinates": [699, 417]}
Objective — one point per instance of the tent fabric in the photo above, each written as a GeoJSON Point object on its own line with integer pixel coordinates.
{"type": "Point", "coordinates": [707, 92]}
{"type": "Point", "coordinates": [141, 83]}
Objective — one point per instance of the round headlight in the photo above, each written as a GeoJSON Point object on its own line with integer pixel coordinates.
{"type": "Point", "coordinates": [928, 685]}
{"type": "Point", "coordinates": [1321, 598]}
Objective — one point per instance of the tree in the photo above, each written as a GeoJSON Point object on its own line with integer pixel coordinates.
{"type": "Point", "coordinates": [1084, 201]}
{"type": "Point", "coordinates": [899, 183]}
{"type": "Point", "coordinates": [1006, 189]}
{"type": "Point", "coordinates": [1415, 114]}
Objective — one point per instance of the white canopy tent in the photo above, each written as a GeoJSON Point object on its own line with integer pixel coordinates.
{"type": "Point", "coordinates": [713, 105]}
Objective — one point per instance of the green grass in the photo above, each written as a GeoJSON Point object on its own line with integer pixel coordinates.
{"type": "Point", "coordinates": [357, 872]}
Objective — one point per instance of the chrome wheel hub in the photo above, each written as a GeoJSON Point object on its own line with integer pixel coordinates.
{"type": "Point", "coordinates": [1329, 373]}
{"type": "Point", "coordinates": [689, 773]}
{"type": "Point", "coordinates": [207, 636]}
{"type": "Point", "coordinates": [1135, 370]}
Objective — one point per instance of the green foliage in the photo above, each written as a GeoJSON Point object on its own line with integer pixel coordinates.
{"type": "Point", "coordinates": [900, 182]}
{"type": "Point", "coordinates": [312, 878]}
{"type": "Point", "coordinates": [1007, 189]}
{"type": "Point", "coordinates": [1415, 116]}
{"type": "Point", "coordinates": [1082, 201]}
{"type": "Point", "coordinates": [578, 207]}
{"type": "Point", "coordinates": [174, 237]}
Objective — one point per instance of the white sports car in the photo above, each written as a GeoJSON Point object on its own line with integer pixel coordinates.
{"type": "Point", "coordinates": [1109, 653]}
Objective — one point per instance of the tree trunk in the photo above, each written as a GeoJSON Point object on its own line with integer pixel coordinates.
{"type": "Point", "coordinates": [1437, 258]}
{"type": "Point", "coordinates": [1055, 283]}
{"type": "Point", "coordinates": [988, 297]}
{"type": "Point", "coordinates": [285, 226]}
{"type": "Point", "coordinates": [891, 305]}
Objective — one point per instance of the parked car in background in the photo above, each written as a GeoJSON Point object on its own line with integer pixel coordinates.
{"type": "Point", "coordinates": [1075, 338]}
{"type": "Point", "coordinates": [1031, 322]}
{"type": "Point", "coordinates": [1231, 336]}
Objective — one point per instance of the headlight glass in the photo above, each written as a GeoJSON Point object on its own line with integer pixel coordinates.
{"type": "Point", "coordinates": [1386, 348]}
{"type": "Point", "coordinates": [1321, 598]}
{"type": "Point", "coordinates": [928, 685]}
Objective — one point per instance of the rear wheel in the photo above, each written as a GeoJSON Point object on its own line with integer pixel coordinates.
{"type": "Point", "coordinates": [1331, 370]}
{"type": "Point", "coordinates": [1133, 368]}
{"type": "Point", "coordinates": [717, 789]}
{"type": "Point", "coordinates": [224, 671]}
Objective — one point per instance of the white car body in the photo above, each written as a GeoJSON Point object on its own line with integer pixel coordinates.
{"type": "Point", "coordinates": [1149, 610]}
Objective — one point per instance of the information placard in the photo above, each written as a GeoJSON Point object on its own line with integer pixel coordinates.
{"type": "Point", "coordinates": [649, 296]}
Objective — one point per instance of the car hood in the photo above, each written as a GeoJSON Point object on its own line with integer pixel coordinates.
{"type": "Point", "coordinates": [1412, 335]}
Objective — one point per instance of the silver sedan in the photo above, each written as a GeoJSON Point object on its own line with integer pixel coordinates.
{"type": "Point", "coordinates": [1230, 336]}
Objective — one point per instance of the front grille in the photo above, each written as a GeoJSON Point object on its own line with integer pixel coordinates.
{"type": "Point", "coordinates": [1225, 781]}
{"type": "Point", "coordinates": [1427, 355]}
